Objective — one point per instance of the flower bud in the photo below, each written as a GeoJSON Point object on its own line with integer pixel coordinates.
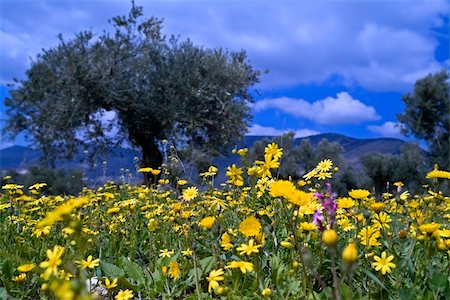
{"type": "Point", "coordinates": [350, 253]}
{"type": "Point", "coordinates": [286, 245]}
{"type": "Point", "coordinates": [402, 233]}
{"type": "Point", "coordinates": [329, 237]}
{"type": "Point", "coordinates": [266, 292]}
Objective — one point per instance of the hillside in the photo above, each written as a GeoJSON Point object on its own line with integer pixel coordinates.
{"type": "Point", "coordinates": [117, 160]}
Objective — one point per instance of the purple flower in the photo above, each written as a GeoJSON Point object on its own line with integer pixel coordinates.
{"type": "Point", "coordinates": [328, 202]}
{"type": "Point", "coordinates": [318, 219]}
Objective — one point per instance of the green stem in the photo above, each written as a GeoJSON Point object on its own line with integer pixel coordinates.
{"type": "Point", "coordinates": [336, 289]}
{"type": "Point", "coordinates": [197, 286]}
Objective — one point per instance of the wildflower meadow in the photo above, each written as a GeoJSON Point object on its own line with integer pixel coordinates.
{"type": "Point", "coordinates": [253, 237]}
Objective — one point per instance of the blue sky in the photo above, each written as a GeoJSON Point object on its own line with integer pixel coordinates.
{"type": "Point", "coordinates": [334, 66]}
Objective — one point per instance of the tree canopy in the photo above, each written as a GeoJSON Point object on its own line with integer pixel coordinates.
{"type": "Point", "coordinates": [156, 88]}
{"type": "Point", "coordinates": [427, 115]}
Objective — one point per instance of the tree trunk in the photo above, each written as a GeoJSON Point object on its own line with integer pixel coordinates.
{"type": "Point", "coordinates": [151, 157]}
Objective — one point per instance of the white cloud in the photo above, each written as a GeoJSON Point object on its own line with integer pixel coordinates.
{"type": "Point", "coordinates": [343, 109]}
{"type": "Point", "coordinates": [380, 45]}
{"type": "Point", "coordinates": [259, 130]}
{"type": "Point", "coordinates": [387, 129]}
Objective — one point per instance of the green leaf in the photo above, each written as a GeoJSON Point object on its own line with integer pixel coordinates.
{"type": "Point", "coordinates": [345, 292]}
{"type": "Point", "coordinates": [375, 278]}
{"type": "Point", "coordinates": [3, 294]}
{"type": "Point", "coordinates": [207, 263]}
{"type": "Point", "coordinates": [112, 271]}
{"type": "Point", "coordinates": [133, 270]}
{"type": "Point", "coordinates": [7, 269]}
{"type": "Point", "coordinates": [199, 273]}
{"type": "Point", "coordinates": [439, 282]}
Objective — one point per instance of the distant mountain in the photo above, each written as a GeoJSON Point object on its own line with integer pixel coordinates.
{"type": "Point", "coordinates": [355, 148]}
{"type": "Point", "coordinates": [109, 166]}
{"type": "Point", "coordinates": [118, 160]}
{"type": "Point", "coordinates": [18, 157]}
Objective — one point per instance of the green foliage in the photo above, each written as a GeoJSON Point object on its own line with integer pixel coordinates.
{"type": "Point", "coordinates": [328, 150]}
{"type": "Point", "coordinates": [408, 167]}
{"type": "Point", "coordinates": [59, 181]}
{"type": "Point", "coordinates": [159, 89]}
{"type": "Point", "coordinates": [427, 115]}
{"type": "Point", "coordinates": [380, 169]}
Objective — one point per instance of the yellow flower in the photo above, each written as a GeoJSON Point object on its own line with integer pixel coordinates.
{"type": "Point", "coordinates": [225, 242]}
{"type": "Point", "coordinates": [235, 175]}
{"type": "Point", "coordinates": [345, 203]}
{"type": "Point", "coordinates": [187, 252]}
{"type": "Point", "coordinates": [214, 277]}
{"type": "Point", "coordinates": [273, 151]}
{"type": "Point", "coordinates": [250, 226]}
{"type": "Point", "coordinates": [65, 275]}
{"type": "Point", "coordinates": [54, 260]}
{"type": "Point", "coordinates": [383, 263]}
{"type": "Point", "coordinates": [260, 238]}
{"type": "Point", "coordinates": [144, 170]}
{"type": "Point", "coordinates": [108, 284]}
{"type": "Point", "coordinates": [381, 220]}
{"type": "Point", "coordinates": [324, 165]}
{"type": "Point", "coordinates": [190, 193]}
{"type": "Point", "coordinates": [26, 268]}
{"type": "Point", "coordinates": [163, 181]}
{"type": "Point", "coordinates": [19, 278]}
{"type": "Point", "coordinates": [181, 182]}
{"type": "Point", "coordinates": [350, 253]}
{"type": "Point", "coordinates": [124, 295]}
{"type": "Point", "coordinates": [38, 232]}
{"type": "Point", "coordinates": [299, 198]}
{"type": "Point", "coordinates": [62, 210]}
{"type": "Point", "coordinates": [444, 233]}
{"type": "Point", "coordinates": [242, 265]}
{"type": "Point", "coordinates": [307, 226]}
{"type": "Point", "coordinates": [359, 194]}
{"type": "Point", "coordinates": [329, 237]}
{"type": "Point", "coordinates": [265, 166]}
{"type": "Point", "coordinates": [113, 210]}
{"type": "Point", "coordinates": [377, 206]}
{"type": "Point", "coordinates": [310, 174]}
{"type": "Point", "coordinates": [37, 186]}
{"type": "Point", "coordinates": [242, 152]}
{"type": "Point", "coordinates": [429, 227]}
{"type": "Point", "coordinates": [166, 253]}
{"type": "Point", "coordinates": [174, 270]}
{"type": "Point", "coordinates": [212, 171]}
{"type": "Point", "coordinates": [438, 174]}
{"type": "Point", "coordinates": [323, 175]}
{"type": "Point", "coordinates": [345, 224]}
{"type": "Point", "coordinates": [282, 188]}
{"type": "Point", "coordinates": [248, 249]}
{"type": "Point", "coordinates": [88, 263]}
{"type": "Point", "coordinates": [155, 172]}
{"type": "Point", "coordinates": [369, 236]}
{"type": "Point", "coordinates": [62, 289]}
{"type": "Point", "coordinates": [207, 222]}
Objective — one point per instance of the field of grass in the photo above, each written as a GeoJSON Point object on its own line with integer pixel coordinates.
{"type": "Point", "coordinates": [255, 237]}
